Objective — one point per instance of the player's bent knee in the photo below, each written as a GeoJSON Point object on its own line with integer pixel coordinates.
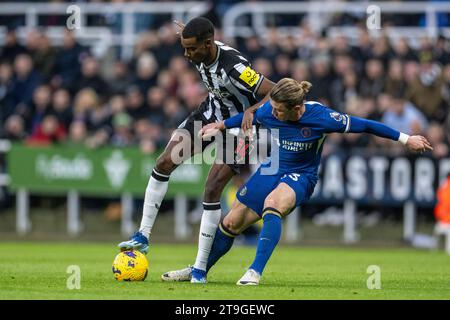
{"type": "Point", "coordinates": [278, 204]}
{"type": "Point", "coordinates": [231, 225]}
{"type": "Point", "coordinates": [272, 203]}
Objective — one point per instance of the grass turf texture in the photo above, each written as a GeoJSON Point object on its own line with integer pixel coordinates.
{"type": "Point", "coordinates": [38, 271]}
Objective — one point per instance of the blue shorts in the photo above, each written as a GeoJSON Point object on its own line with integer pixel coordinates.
{"type": "Point", "coordinates": [254, 192]}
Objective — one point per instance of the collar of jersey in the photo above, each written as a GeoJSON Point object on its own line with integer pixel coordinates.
{"type": "Point", "coordinates": [215, 60]}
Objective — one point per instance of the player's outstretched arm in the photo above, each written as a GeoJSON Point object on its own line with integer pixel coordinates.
{"type": "Point", "coordinates": [414, 143]}
{"type": "Point", "coordinates": [212, 129]}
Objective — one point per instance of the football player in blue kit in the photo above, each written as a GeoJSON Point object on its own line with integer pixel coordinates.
{"type": "Point", "coordinates": [302, 127]}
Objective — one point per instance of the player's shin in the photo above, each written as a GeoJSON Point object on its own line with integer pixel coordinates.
{"type": "Point", "coordinates": [208, 226]}
{"type": "Point", "coordinates": [268, 239]}
{"type": "Point", "coordinates": [154, 195]}
{"type": "Point", "coordinates": [223, 241]}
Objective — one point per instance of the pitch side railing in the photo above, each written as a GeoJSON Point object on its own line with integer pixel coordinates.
{"type": "Point", "coordinates": [319, 15]}
{"type": "Point", "coordinates": [101, 37]}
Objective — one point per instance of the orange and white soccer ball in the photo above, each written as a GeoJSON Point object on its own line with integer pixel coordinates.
{"type": "Point", "coordinates": [130, 265]}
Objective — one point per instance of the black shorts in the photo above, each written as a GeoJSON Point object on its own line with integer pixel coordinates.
{"type": "Point", "coordinates": [234, 151]}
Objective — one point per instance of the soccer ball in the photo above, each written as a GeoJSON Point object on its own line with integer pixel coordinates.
{"type": "Point", "coordinates": [130, 265]}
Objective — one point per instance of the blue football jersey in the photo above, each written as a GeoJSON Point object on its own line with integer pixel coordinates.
{"type": "Point", "coordinates": [300, 142]}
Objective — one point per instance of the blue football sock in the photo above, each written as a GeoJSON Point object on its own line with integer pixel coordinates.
{"type": "Point", "coordinates": [268, 238]}
{"type": "Point", "coordinates": [223, 240]}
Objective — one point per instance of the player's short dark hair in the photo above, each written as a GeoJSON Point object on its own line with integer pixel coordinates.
{"type": "Point", "coordinates": [200, 28]}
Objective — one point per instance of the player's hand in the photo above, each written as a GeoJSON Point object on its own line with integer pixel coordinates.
{"type": "Point", "coordinates": [418, 144]}
{"type": "Point", "coordinates": [180, 27]}
{"type": "Point", "coordinates": [247, 122]}
{"type": "Point", "coordinates": [211, 130]}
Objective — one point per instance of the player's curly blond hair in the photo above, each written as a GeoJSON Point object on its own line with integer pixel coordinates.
{"type": "Point", "coordinates": [290, 92]}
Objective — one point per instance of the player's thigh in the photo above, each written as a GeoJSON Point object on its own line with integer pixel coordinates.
{"type": "Point", "coordinates": [293, 190]}
{"type": "Point", "coordinates": [253, 192]}
{"type": "Point", "coordinates": [240, 217]}
{"type": "Point", "coordinates": [281, 198]}
{"type": "Point", "coordinates": [180, 147]}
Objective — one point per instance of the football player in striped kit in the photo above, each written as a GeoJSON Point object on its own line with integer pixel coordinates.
{"type": "Point", "coordinates": [233, 87]}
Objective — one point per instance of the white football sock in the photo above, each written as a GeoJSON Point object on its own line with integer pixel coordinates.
{"type": "Point", "coordinates": [154, 195]}
{"type": "Point", "coordinates": [208, 226]}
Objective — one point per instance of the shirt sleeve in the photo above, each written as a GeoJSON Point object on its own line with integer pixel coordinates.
{"type": "Point", "coordinates": [333, 121]}
{"type": "Point", "coordinates": [374, 127]}
{"type": "Point", "coordinates": [244, 77]}
{"type": "Point", "coordinates": [338, 122]}
{"type": "Point", "coordinates": [236, 121]}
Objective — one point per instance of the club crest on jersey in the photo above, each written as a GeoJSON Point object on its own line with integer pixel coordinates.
{"type": "Point", "coordinates": [243, 191]}
{"type": "Point", "coordinates": [306, 132]}
{"type": "Point", "coordinates": [336, 116]}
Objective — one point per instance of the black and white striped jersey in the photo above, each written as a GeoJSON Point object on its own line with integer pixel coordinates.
{"type": "Point", "coordinates": [231, 82]}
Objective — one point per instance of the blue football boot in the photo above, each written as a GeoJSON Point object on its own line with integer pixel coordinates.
{"type": "Point", "coordinates": [137, 242]}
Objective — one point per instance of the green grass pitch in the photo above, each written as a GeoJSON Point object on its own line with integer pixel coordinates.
{"type": "Point", "coordinates": [38, 271]}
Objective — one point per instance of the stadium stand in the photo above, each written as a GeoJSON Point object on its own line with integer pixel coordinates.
{"type": "Point", "coordinates": [59, 87]}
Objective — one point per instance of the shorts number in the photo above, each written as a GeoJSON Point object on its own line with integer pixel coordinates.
{"type": "Point", "coordinates": [294, 176]}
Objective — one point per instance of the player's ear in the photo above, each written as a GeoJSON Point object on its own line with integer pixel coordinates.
{"type": "Point", "coordinates": [208, 43]}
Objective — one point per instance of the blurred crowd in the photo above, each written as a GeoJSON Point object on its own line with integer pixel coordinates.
{"type": "Point", "coordinates": [66, 94]}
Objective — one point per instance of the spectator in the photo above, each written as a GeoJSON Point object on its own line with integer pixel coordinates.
{"type": "Point", "coordinates": [394, 81]}
{"type": "Point", "coordinates": [11, 48]}
{"type": "Point", "coordinates": [41, 107]}
{"type": "Point", "coordinates": [155, 100]}
{"type": "Point", "coordinates": [90, 77]}
{"type": "Point", "coordinates": [85, 102]}
{"type": "Point", "coordinates": [135, 104]}
{"type": "Point", "coordinates": [67, 62]}
{"type": "Point", "coordinates": [402, 51]}
{"type": "Point", "coordinates": [47, 132]}
{"type": "Point", "coordinates": [251, 48]}
{"type": "Point", "coordinates": [405, 117]}
{"type": "Point", "coordinates": [146, 70]}
{"type": "Point", "coordinates": [167, 82]}
{"type": "Point", "coordinates": [436, 136]}
{"type": "Point", "coordinates": [25, 81]}
{"type": "Point", "coordinates": [264, 67]}
{"type": "Point", "coordinates": [322, 79]}
{"type": "Point", "coordinates": [121, 78]}
{"type": "Point", "coordinates": [77, 133]}
{"type": "Point", "coordinates": [170, 45]}
{"type": "Point", "coordinates": [61, 107]}
{"type": "Point", "coordinates": [426, 89]}
{"type": "Point", "coordinates": [282, 67]}
{"type": "Point", "coordinates": [174, 113]}
{"type": "Point", "coordinates": [14, 129]}
{"type": "Point", "coordinates": [43, 54]}
{"type": "Point", "coordinates": [6, 88]}
{"type": "Point", "coordinates": [122, 130]}
{"type": "Point", "coordinates": [372, 83]}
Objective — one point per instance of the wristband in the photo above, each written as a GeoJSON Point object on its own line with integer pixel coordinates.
{"type": "Point", "coordinates": [403, 138]}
